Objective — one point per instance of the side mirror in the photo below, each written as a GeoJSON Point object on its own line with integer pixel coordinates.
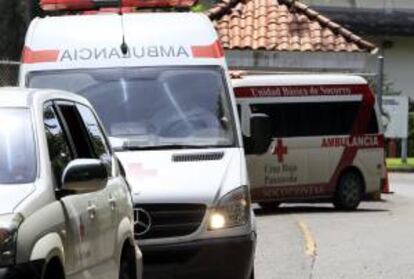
{"type": "Point", "coordinates": [84, 176]}
{"type": "Point", "coordinates": [261, 134]}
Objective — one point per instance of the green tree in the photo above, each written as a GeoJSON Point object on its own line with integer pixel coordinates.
{"type": "Point", "coordinates": [15, 16]}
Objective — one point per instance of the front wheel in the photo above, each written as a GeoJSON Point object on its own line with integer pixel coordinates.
{"type": "Point", "coordinates": [127, 269]}
{"type": "Point", "coordinates": [349, 191]}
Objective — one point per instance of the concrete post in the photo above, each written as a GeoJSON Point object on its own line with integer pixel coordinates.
{"type": "Point", "coordinates": [380, 79]}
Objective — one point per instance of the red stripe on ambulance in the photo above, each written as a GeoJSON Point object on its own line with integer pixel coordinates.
{"type": "Point", "coordinates": [55, 5]}
{"type": "Point", "coordinates": [359, 129]}
{"type": "Point", "coordinates": [214, 50]}
{"type": "Point", "coordinates": [39, 56]}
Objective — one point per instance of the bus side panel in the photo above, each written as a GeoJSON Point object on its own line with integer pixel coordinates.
{"type": "Point", "coordinates": [371, 163]}
{"type": "Point", "coordinates": [325, 135]}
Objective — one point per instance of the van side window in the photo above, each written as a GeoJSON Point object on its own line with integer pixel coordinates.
{"type": "Point", "coordinates": [77, 131]}
{"type": "Point", "coordinates": [57, 142]}
{"type": "Point", "coordinates": [239, 111]}
{"type": "Point", "coordinates": [373, 123]}
{"type": "Point", "coordinates": [310, 119]}
{"type": "Point", "coordinates": [96, 135]}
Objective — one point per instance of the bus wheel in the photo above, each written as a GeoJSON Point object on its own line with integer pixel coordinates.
{"type": "Point", "coordinates": [349, 191]}
{"type": "Point", "coordinates": [269, 205]}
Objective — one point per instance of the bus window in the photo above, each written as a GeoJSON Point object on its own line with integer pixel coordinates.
{"type": "Point", "coordinates": [373, 123]}
{"type": "Point", "coordinates": [310, 119]}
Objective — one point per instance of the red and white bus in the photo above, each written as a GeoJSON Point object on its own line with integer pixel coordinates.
{"type": "Point", "coordinates": [311, 137]}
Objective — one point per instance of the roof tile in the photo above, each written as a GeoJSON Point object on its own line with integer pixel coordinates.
{"type": "Point", "coordinates": [281, 25]}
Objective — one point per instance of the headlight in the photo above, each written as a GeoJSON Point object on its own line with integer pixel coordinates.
{"type": "Point", "coordinates": [8, 234]}
{"type": "Point", "coordinates": [233, 210]}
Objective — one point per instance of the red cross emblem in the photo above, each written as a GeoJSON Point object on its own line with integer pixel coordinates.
{"type": "Point", "coordinates": [280, 150]}
{"type": "Point", "coordinates": [137, 170]}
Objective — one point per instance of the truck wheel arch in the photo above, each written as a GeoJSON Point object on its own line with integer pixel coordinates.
{"type": "Point", "coordinates": [355, 170]}
{"type": "Point", "coordinates": [48, 247]}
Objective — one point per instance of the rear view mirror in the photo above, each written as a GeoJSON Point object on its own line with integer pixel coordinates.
{"type": "Point", "coordinates": [84, 176]}
{"type": "Point", "coordinates": [261, 134]}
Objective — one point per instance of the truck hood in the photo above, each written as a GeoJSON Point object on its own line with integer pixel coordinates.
{"type": "Point", "coordinates": [12, 195]}
{"type": "Point", "coordinates": [176, 176]}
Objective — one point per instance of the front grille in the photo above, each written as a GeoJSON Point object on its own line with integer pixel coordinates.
{"type": "Point", "coordinates": [211, 156]}
{"type": "Point", "coordinates": [167, 220]}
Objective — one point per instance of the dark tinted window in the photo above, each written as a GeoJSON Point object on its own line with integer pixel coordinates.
{"type": "Point", "coordinates": [59, 150]}
{"type": "Point", "coordinates": [77, 131]}
{"type": "Point", "coordinates": [239, 111]}
{"type": "Point", "coordinates": [310, 119]}
{"type": "Point", "coordinates": [373, 123]}
{"type": "Point", "coordinates": [95, 133]}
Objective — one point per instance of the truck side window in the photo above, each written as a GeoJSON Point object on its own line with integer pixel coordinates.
{"type": "Point", "coordinates": [77, 131]}
{"type": "Point", "coordinates": [59, 149]}
{"type": "Point", "coordinates": [96, 135]}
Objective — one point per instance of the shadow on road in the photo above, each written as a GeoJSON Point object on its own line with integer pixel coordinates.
{"type": "Point", "coordinates": [301, 209]}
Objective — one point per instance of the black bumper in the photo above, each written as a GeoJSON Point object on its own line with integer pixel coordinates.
{"type": "Point", "coordinates": [32, 270]}
{"type": "Point", "coordinates": [222, 258]}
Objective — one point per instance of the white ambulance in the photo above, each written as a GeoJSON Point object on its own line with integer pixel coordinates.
{"type": "Point", "coordinates": [322, 140]}
{"type": "Point", "coordinates": [160, 85]}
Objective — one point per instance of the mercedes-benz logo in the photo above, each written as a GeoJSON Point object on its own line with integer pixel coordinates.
{"type": "Point", "coordinates": [142, 221]}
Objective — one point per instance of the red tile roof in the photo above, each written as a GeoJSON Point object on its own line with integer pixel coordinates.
{"type": "Point", "coordinates": [281, 25]}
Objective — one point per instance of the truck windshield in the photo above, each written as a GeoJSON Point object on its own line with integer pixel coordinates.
{"type": "Point", "coordinates": [17, 147]}
{"type": "Point", "coordinates": [153, 108]}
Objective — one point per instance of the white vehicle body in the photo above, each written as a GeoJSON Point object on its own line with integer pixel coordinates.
{"type": "Point", "coordinates": [178, 186]}
{"type": "Point", "coordinates": [322, 126]}
{"type": "Point", "coordinates": [54, 224]}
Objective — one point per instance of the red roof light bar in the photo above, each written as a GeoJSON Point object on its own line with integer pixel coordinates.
{"type": "Point", "coordinates": [83, 5]}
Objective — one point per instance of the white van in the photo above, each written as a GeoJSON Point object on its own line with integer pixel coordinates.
{"type": "Point", "coordinates": [322, 140]}
{"type": "Point", "coordinates": [165, 99]}
{"type": "Point", "coordinates": [66, 211]}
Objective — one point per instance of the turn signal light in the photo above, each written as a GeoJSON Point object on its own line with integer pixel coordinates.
{"type": "Point", "coordinates": [82, 5]}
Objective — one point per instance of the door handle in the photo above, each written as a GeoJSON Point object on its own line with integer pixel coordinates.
{"type": "Point", "coordinates": [92, 211]}
{"type": "Point", "coordinates": [112, 202]}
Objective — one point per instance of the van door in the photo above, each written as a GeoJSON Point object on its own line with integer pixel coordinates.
{"type": "Point", "coordinates": [276, 174]}
{"type": "Point", "coordinates": [60, 155]}
{"type": "Point", "coordinates": [97, 217]}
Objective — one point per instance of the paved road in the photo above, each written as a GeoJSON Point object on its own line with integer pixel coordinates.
{"type": "Point", "coordinates": [315, 241]}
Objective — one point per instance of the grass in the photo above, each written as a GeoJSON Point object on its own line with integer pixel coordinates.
{"type": "Point", "coordinates": [396, 163]}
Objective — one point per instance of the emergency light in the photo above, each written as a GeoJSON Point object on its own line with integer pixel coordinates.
{"type": "Point", "coordinates": [82, 5]}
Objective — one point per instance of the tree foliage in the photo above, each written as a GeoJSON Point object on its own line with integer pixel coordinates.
{"type": "Point", "coordinates": [15, 16]}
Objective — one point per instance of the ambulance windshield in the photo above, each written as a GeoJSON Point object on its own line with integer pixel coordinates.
{"type": "Point", "coordinates": [152, 108]}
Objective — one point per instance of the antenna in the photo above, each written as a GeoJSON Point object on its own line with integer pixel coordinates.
{"type": "Point", "coordinates": [124, 46]}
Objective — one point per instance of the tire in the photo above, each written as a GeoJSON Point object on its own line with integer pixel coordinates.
{"type": "Point", "coordinates": [127, 268]}
{"type": "Point", "coordinates": [53, 270]}
{"type": "Point", "coordinates": [349, 191]}
{"type": "Point", "coordinates": [271, 206]}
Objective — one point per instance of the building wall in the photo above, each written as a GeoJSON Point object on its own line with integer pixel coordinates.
{"type": "Point", "coordinates": [399, 63]}
{"type": "Point", "coordinates": [297, 61]}
{"type": "Point", "coordinates": [371, 4]}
